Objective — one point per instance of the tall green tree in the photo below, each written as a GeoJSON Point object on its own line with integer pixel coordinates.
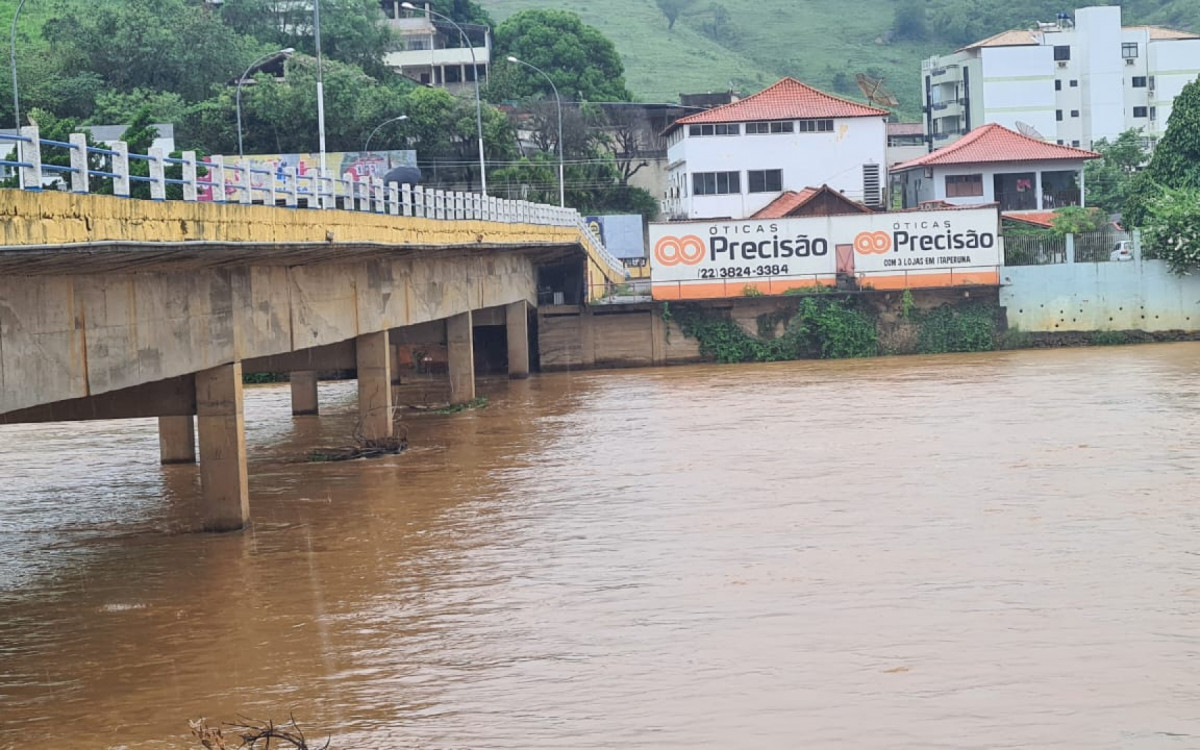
{"type": "Point", "coordinates": [1176, 160]}
{"type": "Point", "coordinates": [672, 9]}
{"type": "Point", "coordinates": [158, 45]}
{"type": "Point", "coordinates": [582, 62]}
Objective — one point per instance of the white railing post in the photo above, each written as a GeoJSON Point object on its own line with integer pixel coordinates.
{"type": "Point", "coordinates": [30, 152]}
{"type": "Point", "coordinates": [439, 204]}
{"type": "Point", "coordinates": [158, 175]}
{"type": "Point", "coordinates": [247, 194]}
{"type": "Point", "coordinates": [291, 187]}
{"type": "Point", "coordinates": [406, 200]}
{"type": "Point", "coordinates": [272, 193]}
{"type": "Point", "coordinates": [393, 198]}
{"type": "Point", "coordinates": [216, 172]}
{"type": "Point", "coordinates": [419, 201]}
{"type": "Point", "coordinates": [190, 171]}
{"type": "Point", "coordinates": [79, 162]}
{"type": "Point", "coordinates": [120, 167]}
{"type": "Point", "coordinates": [378, 198]}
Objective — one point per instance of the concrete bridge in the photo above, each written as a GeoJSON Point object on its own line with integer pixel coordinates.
{"type": "Point", "coordinates": [116, 308]}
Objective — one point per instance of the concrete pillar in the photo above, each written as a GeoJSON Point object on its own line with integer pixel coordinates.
{"type": "Point", "coordinates": [374, 358]}
{"type": "Point", "coordinates": [516, 323]}
{"type": "Point", "coordinates": [225, 500]}
{"type": "Point", "coordinates": [587, 338]}
{"type": "Point", "coordinates": [460, 345]}
{"type": "Point", "coordinates": [658, 337]}
{"type": "Point", "coordinates": [177, 440]}
{"type": "Point", "coordinates": [304, 392]}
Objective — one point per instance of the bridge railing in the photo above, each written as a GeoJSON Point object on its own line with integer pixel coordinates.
{"type": "Point", "coordinates": [234, 183]}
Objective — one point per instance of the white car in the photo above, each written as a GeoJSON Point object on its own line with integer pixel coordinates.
{"type": "Point", "coordinates": [1123, 250]}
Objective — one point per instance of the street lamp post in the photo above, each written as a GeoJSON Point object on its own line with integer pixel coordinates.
{"type": "Point", "coordinates": [241, 80]}
{"type": "Point", "coordinates": [320, 89]}
{"type": "Point", "coordinates": [562, 201]}
{"type": "Point", "coordinates": [367, 145]}
{"type": "Point", "coordinates": [478, 105]}
{"type": "Point", "coordinates": [12, 53]}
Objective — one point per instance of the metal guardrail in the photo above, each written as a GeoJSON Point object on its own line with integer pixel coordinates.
{"type": "Point", "coordinates": [317, 191]}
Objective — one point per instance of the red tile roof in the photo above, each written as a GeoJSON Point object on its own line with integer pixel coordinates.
{"type": "Point", "coordinates": [996, 143]}
{"type": "Point", "coordinates": [790, 201]}
{"type": "Point", "coordinates": [1043, 219]}
{"type": "Point", "coordinates": [787, 99]}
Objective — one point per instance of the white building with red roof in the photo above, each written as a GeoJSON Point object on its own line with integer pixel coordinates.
{"type": "Point", "coordinates": [732, 160]}
{"type": "Point", "coordinates": [993, 164]}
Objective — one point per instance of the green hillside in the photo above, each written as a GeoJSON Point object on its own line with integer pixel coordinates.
{"type": "Point", "coordinates": [750, 44]}
{"type": "Point", "coordinates": [761, 41]}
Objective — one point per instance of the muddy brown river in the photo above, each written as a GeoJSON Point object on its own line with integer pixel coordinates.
{"type": "Point", "coordinates": [978, 551]}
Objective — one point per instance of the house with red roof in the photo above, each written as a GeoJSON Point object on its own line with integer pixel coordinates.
{"type": "Point", "coordinates": [993, 164]}
{"type": "Point", "coordinates": [822, 201]}
{"type": "Point", "coordinates": [733, 160]}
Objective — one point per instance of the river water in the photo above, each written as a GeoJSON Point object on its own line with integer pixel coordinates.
{"type": "Point", "coordinates": [978, 551]}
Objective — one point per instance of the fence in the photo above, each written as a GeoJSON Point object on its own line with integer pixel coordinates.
{"type": "Point", "coordinates": [1047, 248]}
{"type": "Point", "coordinates": [309, 191]}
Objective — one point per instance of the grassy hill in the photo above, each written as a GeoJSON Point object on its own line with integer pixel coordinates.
{"type": "Point", "coordinates": [762, 41]}
{"type": "Point", "coordinates": [813, 40]}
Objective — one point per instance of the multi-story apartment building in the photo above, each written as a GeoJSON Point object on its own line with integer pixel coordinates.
{"type": "Point", "coordinates": [732, 160]}
{"type": "Point", "coordinates": [1068, 82]}
{"type": "Point", "coordinates": [432, 52]}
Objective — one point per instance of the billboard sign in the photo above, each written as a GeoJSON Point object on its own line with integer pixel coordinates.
{"type": "Point", "coordinates": [903, 250]}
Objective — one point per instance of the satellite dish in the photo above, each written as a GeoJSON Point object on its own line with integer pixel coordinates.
{"type": "Point", "coordinates": [1028, 130]}
{"type": "Point", "coordinates": [875, 91]}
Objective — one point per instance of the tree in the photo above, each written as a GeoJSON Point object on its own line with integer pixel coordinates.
{"type": "Point", "coordinates": [353, 31]}
{"type": "Point", "coordinates": [583, 64]}
{"type": "Point", "coordinates": [1176, 159]}
{"type": "Point", "coordinates": [1077, 220]}
{"type": "Point", "coordinates": [1172, 228]}
{"type": "Point", "coordinates": [158, 45]}
{"type": "Point", "coordinates": [672, 10]}
{"type": "Point", "coordinates": [909, 23]}
{"type": "Point", "coordinates": [1110, 178]}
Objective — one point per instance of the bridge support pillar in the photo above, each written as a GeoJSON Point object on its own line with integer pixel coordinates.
{"type": "Point", "coordinates": [516, 318]}
{"type": "Point", "coordinates": [177, 440]}
{"type": "Point", "coordinates": [220, 422]}
{"type": "Point", "coordinates": [374, 385]}
{"type": "Point", "coordinates": [460, 350]}
{"type": "Point", "coordinates": [304, 392]}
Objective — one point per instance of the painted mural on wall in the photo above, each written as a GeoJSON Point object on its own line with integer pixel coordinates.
{"type": "Point", "coordinates": [354, 165]}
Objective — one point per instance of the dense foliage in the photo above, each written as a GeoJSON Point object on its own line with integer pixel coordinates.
{"type": "Point", "coordinates": [1110, 178]}
{"type": "Point", "coordinates": [580, 60]}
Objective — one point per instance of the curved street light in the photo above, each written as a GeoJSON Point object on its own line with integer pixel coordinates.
{"type": "Point", "coordinates": [241, 79]}
{"type": "Point", "coordinates": [367, 145]}
{"type": "Point", "coordinates": [475, 70]}
{"type": "Point", "coordinates": [12, 53]}
{"type": "Point", "coordinates": [562, 201]}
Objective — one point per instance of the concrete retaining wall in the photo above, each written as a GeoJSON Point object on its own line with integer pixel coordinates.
{"type": "Point", "coordinates": [1116, 296]}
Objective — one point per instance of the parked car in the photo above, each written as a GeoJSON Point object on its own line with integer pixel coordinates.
{"type": "Point", "coordinates": [1123, 250]}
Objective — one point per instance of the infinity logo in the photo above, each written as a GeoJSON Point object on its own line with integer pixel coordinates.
{"type": "Point", "coordinates": [671, 251]}
{"type": "Point", "coordinates": [872, 243]}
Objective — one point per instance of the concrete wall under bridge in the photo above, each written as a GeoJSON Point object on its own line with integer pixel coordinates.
{"type": "Point", "coordinates": [1140, 295]}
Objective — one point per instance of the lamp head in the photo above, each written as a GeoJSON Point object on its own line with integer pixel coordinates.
{"type": "Point", "coordinates": [288, 51]}
{"type": "Point", "coordinates": [408, 6]}
{"type": "Point", "coordinates": [512, 59]}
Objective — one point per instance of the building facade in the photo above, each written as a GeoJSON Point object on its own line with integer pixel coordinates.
{"type": "Point", "coordinates": [432, 52]}
{"type": "Point", "coordinates": [732, 160]}
{"type": "Point", "coordinates": [1070, 82]}
{"type": "Point", "coordinates": [995, 165]}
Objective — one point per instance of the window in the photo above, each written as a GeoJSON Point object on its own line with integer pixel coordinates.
{"type": "Point", "coordinates": [764, 180]}
{"type": "Point", "coordinates": [770, 127]}
{"type": "Point", "coordinates": [1074, 113]}
{"type": "Point", "coordinates": [453, 74]}
{"type": "Point", "coordinates": [715, 183]}
{"type": "Point", "coordinates": [1062, 52]}
{"type": "Point", "coordinates": [1153, 113]}
{"type": "Point", "coordinates": [1129, 50]}
{"type": "Point", "coordinates": [1075, 144]}
{"type": "Point", "coordinates": [1074, 84]}
{"type": "Point", "coordinates": [1058, 85]}
{"type": "Point", "coordinates": [816, 126]}
{"type": "Point", "coordinates": [1060, 141]}
{"type": "Point", "coordinates": [1139, 82]}
{"type": "Point", "coordinates": [1058, 115]}
{"type": "Point", "coordinates": [720, 128]}
{"type": "Point", "coordinates": [1139, 111]}
{"type": "Point", "coordinates": [964, 185]}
